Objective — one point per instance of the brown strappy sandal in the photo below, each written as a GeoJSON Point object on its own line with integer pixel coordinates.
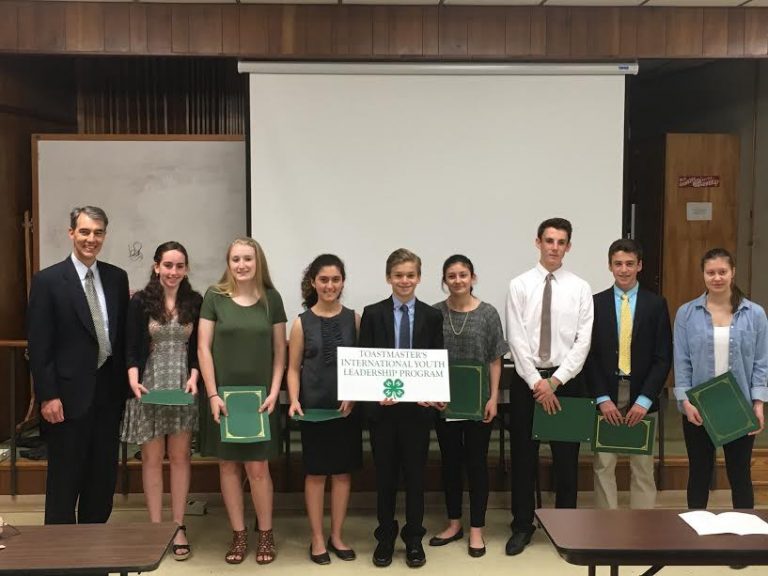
{"type": "Point", "coordinates": [238, 548]}
{"type": "Point", "coordinates": [266, 551]}
{"type": "Point", "coordinates": [181, 551]}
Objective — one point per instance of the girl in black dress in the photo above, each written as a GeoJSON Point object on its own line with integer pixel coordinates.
{"type": "Point", "coordinates": [334, 447]}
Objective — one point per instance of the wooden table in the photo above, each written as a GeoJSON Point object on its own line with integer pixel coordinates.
{"type": "Point", "coordinates": [85, 548]}
{"type": "Point", "coordinates": [655, 538]}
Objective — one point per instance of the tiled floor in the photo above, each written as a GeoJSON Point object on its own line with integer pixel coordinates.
{"type": "Point", "coordinates": [209, 535]}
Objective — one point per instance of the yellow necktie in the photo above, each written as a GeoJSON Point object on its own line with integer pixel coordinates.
{"type": "Point", "coordinates": [625, 336]}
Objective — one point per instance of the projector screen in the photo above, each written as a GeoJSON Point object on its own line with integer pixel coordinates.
{"type": "Point", "coordinates": [359, 160]}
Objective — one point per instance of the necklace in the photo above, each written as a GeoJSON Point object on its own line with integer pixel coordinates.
{"type": "Point", "coordinates": [450, 321]}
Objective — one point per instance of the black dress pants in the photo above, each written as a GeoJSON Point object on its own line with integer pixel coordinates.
{"type": "Point", "coordinates": [464, 446]}
{"type": "Point", "coordinates": [525, 456]}
{"type": "Point", "coordinates": [400, 442]}
{"type": "Point", "coordinates": [82, 460]}
{"type": "Point", "coordinates": [701, 463]}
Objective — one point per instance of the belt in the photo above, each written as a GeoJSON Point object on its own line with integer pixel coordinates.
{"type": "Point", "coordinates": [547, 372]}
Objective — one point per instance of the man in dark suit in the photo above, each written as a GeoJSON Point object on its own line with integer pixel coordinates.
{"type": "Point", "coordinates": [75, 327]}
{"type": "Point", "coordinates": [400, 431]}
{"type": "Point", "coordinates": [627, 366]}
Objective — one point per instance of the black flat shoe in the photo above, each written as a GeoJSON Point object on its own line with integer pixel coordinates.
{"type": "Point", "coordinates": [346, 555]}
{"type": "Point", "coordinates": [322, 559]}
{"type": "Point", "coordinates": [476, 552]}
{"type": "Point", "coordinates": [437, 541]}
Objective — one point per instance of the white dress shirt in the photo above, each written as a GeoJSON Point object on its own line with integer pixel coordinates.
{"type": "Point", "coordinates": [572, 314]}
{"type": "Point", "coordinates": [82, 270]}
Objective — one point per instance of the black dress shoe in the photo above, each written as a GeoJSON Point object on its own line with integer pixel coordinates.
{"type": "Point", "coordinates": [437, 541]}
{"type": "Point", "coordinates": [414, 555]}
{"type": "Point", "coordinates": [323, 558]}
{"type": "Point", "coordinates": [382, 556]}
{"type": "Point", "coordinates": [517, 542]}
{"type": "Point", "coordinates": [341, 554]}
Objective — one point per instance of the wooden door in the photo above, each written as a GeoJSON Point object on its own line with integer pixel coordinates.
{"type": "Point", "coordinates": [701, 173]}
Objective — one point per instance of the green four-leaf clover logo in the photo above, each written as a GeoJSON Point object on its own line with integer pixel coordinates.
{"type": "Point", "coordinates": [393, 388]}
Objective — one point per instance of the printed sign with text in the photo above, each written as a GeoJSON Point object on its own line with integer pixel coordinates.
{"type": "Point", "coordinates": [374, 374]}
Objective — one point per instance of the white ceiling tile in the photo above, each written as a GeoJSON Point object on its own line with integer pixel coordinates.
{"type": "Point", "coordinates": [604, 3]}
{"type": "Point", "coordinates": [492, 2]}
{"type": "Point", "coordinates": [288, 2]}
{"type": "Point", "coordinates": [695, 3]}
{"type": "Point", "coordinates": [393, 2]}
{"type": "Point", "coordinates": [110, 1]}
{"type": "Point", "coordinates": [186, 1]}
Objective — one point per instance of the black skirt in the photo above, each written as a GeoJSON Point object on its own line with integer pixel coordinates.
{"type": "Point", "coordinates": [332, 447]}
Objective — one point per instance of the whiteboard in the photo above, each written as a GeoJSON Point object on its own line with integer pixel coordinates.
{"type": "Point", "coordinates": [153, 189]}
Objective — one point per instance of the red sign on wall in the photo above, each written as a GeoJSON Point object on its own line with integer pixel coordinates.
{"type": "Point", "coordinates": [698, 181]}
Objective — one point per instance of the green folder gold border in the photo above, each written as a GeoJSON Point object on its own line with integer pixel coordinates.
{"type": "Point", "coordinates": [261, 430]}
{"type": "Point", "coordinates": [639, 439]}
{"type": "Point", "coordinates": [575, 422]}
{"type": "Point", "coordinates": [471, 376]}
{"type": "Point", "coordinates": [744, 420]}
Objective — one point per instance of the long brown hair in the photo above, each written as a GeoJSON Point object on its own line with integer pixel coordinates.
{"type": "Point", "coordinates": [736, 294]}
{"type": "Point", "coordinates": [153, 297]}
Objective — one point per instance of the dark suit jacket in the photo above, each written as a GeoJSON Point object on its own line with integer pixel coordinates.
{"type": "Point", "coordinates": [651, 347]}
{"type": "Point", "coordinates": [63, 349]}
{"type": "Point", "coordinates": [377, 328]}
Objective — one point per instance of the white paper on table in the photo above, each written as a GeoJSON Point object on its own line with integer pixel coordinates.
{"type": "Point", "coordinates": [405, 375]}
{"type": "Point", "coordinates": [706, 524]}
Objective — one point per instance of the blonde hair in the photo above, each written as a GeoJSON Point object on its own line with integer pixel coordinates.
{"type": "Point", "coordinates": [401, 256]}
{"type": "Point", "coordinates": [227, 285]}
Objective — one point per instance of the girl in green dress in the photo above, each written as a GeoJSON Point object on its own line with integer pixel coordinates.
{"type": "Point", "coordinates": [241, 342]}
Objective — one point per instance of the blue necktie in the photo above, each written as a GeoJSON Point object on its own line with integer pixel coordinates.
{"type": "Point", "coordinates": [405, 328]}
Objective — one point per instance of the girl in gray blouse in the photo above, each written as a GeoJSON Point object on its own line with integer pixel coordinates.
{"type": "Point", "coordinates": [472, 331]}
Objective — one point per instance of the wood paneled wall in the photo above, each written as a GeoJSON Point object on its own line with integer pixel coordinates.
{"type": "Point", "coordinates": [160, 95]}
{"type": "Point", "coordinates": [36, 95]}
{"type": "Point", "coordinates": [383, 32]}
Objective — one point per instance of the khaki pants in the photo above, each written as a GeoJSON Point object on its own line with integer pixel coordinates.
{"type": "Point", "coordinates": [642, 484]}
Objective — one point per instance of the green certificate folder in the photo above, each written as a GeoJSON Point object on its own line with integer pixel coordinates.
{"type": "Point", "coordinates": [244, 423]}
{"type": "Point", "coordinates": [726, 412]}
{"type": "Point", "coordinates": [469, 390]}
{"type": "Point", "coordinates": [574, 423]}
{"type": "Point", "coordinates": [624, 439]}
{"type": "Point", "coordinates": [168, 398]}
{"type": "Point", "coordinates": [318, 415]}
